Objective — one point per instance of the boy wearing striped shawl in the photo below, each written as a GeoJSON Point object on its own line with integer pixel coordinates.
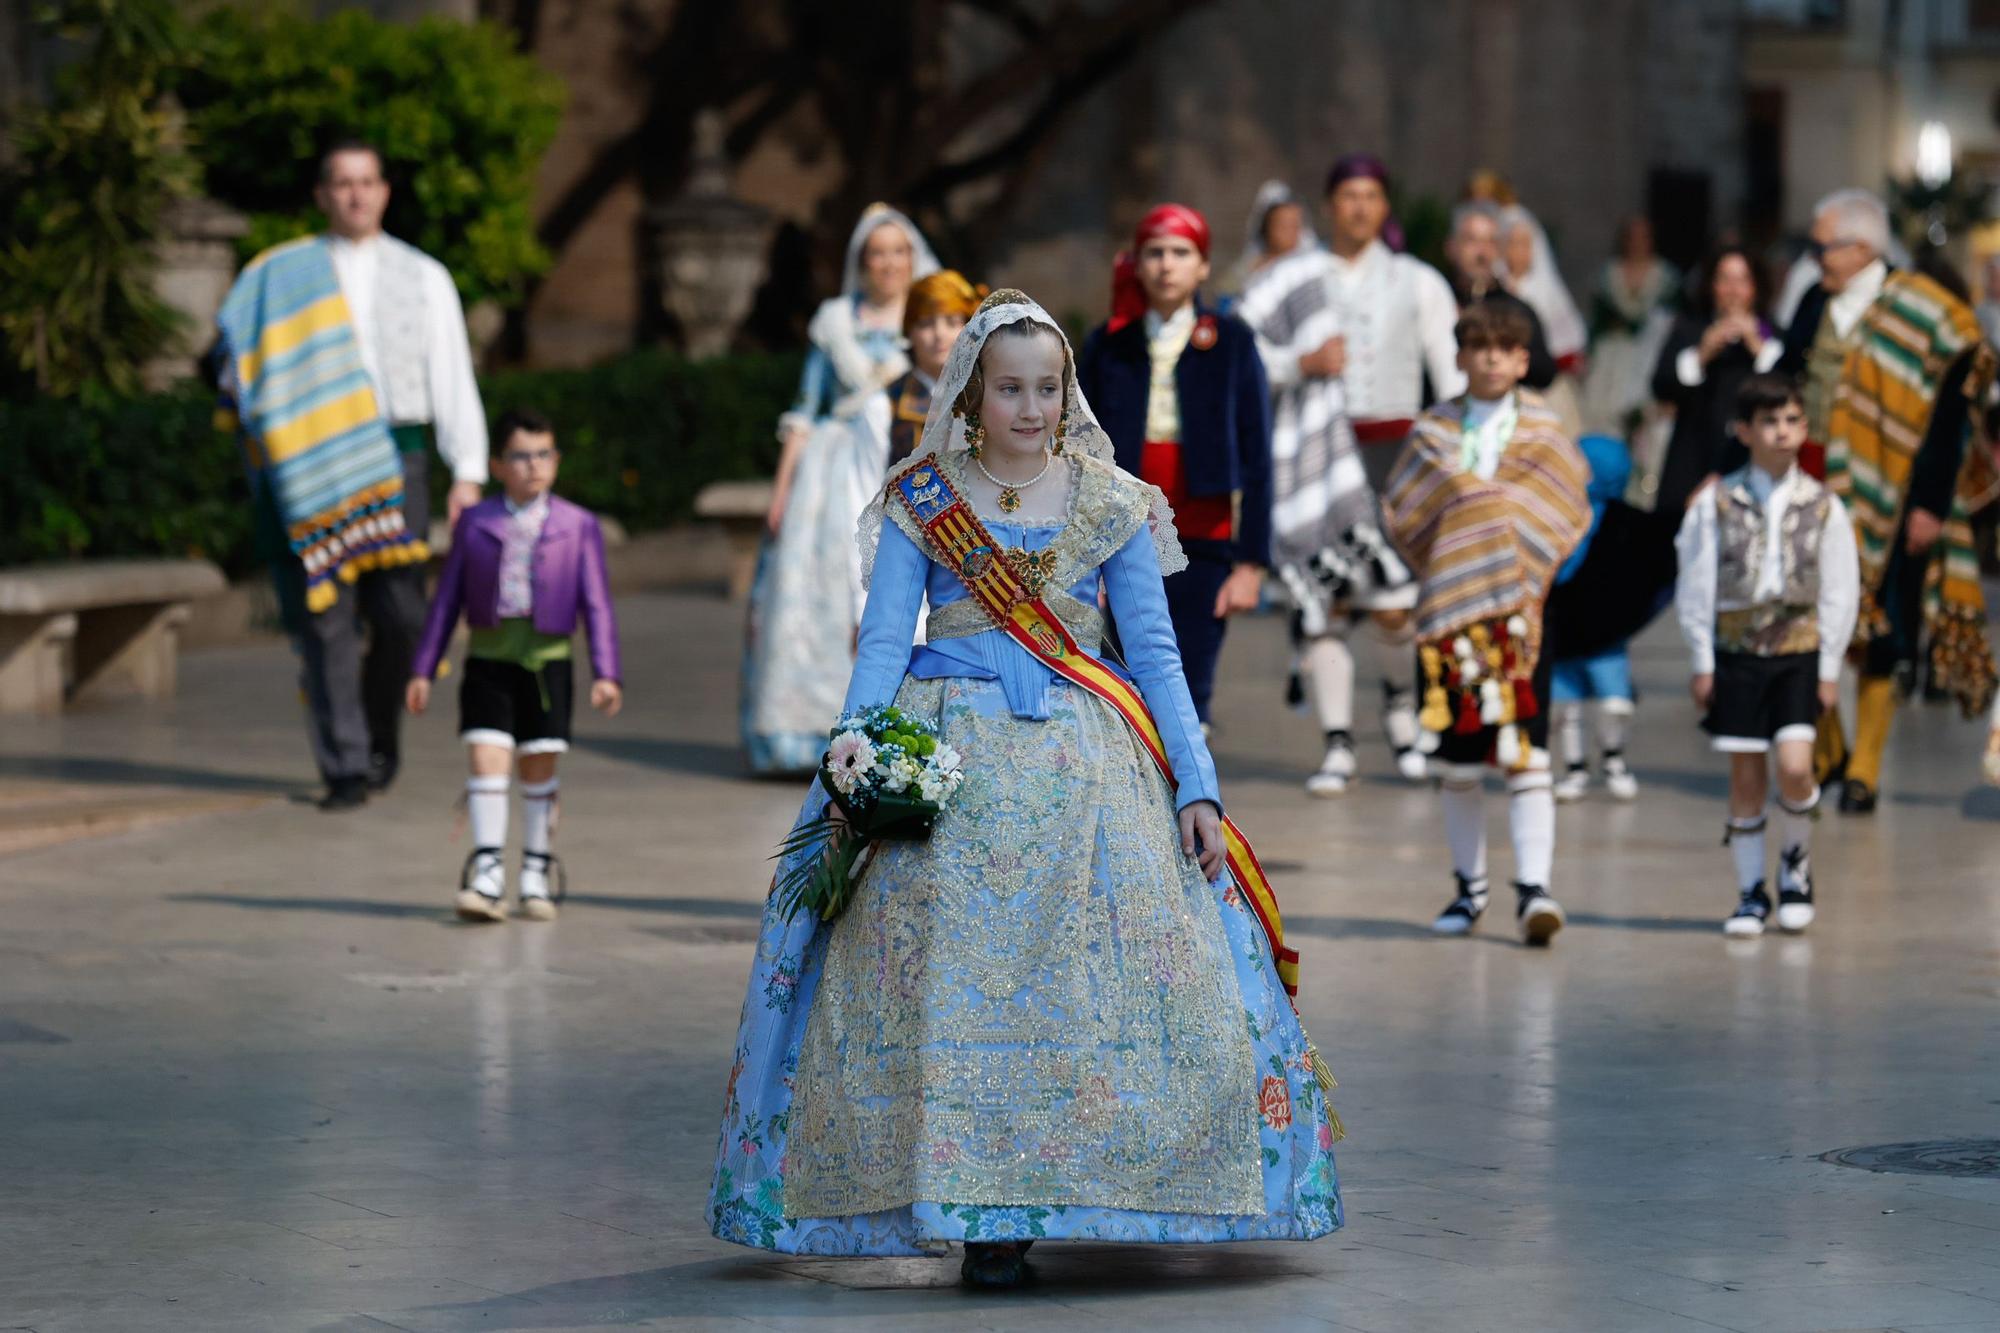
{"type": "Point", "coordinates": [1487, 500]}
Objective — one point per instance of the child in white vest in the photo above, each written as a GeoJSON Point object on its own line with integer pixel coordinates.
{"type": "Point", "coordinates": [1768, 593]}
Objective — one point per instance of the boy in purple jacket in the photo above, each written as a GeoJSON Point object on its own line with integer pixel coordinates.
{"type": "Point", "coordinates": [524, 567]}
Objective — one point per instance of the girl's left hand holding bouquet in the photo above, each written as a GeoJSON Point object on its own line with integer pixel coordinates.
{"type": "Point", "coordinates": [887, 776]}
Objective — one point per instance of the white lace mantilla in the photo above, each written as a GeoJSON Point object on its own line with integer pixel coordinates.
{"type": "Point", "coordinates": [1099, 488]}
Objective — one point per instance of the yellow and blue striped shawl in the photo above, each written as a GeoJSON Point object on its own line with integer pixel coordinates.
{"type": "Point", "coordinates": [309, 422]}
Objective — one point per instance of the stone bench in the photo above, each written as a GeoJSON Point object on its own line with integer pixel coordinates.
{"type": "Point", "coordinates": [75, 629]}
{"type": "Point", "coordinates": [739, 507]}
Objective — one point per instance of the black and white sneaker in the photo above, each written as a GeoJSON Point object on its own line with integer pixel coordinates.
{"type": "Point", "coordinates": [482, 887]}
{"type": "Point", "coordinates": [1465, 909]}
{"type": "Point", "coordinates": [1336, 770]}
{"type": "Point", "coordinates": [1538, 915]}
{"type": "Point", "coordinates": [1618, 779]}
{"type": "Point", "coordinates": [1747, 922]}
{"type": "Point", "coordinates": [1573, 785]}
{"type": "Point", "coordinates": [1795, 891]}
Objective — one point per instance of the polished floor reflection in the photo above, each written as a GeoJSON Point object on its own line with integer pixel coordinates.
{"type": "Point", "coordinates": [253, 1076]}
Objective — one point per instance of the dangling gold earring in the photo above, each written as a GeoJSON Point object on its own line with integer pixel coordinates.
{"type": "Point", "coordinates": [975, 433]}
{"type": "Point", "coordinates": [1062, 433]}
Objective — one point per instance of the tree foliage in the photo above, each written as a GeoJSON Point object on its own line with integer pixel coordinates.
{"type": "Point", "coordinates": [887, 90]}
{"type": "Point", "coordinates": [461, 116]}
{"type": "Point", "coordinates": [96, 170]}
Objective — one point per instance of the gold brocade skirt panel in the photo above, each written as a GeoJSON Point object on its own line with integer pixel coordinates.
{"type": "Point", "coordinates": [1036, 1006]}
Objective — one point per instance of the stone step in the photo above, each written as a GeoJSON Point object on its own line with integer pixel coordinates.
{"type": "Point", "coordinates": [39, 814]}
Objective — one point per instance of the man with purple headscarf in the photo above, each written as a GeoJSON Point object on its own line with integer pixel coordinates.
{"type": "Point", "coordinates": [1355, 338]}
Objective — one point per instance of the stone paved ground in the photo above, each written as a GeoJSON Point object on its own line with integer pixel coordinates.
{"type": "Point", "coordinates": [253, 1076]}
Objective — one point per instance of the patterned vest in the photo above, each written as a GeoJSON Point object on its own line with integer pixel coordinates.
{"type": "Point", "coordinates": [1790, 624]}
{"type": "Point", "coordinates": [401, 319]}
{"type": "Point", "coordinates": [1825, 360]}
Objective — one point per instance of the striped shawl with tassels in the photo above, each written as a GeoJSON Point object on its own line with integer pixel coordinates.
{"type": "Point", "coordinates": [1894, 374]}
{"type": "Point", "coordinates": [309, 422]}
{"type": "Point", "coordinates": [1487, 549]}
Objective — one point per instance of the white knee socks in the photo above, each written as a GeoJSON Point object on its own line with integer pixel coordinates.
{"type": "Point", "coordinates": [1531, 819]}
{"type": "Point", "coordinates": [486, 807]}
{"type": "Point", "coordinates": [1795, 822]}
{"type": "Point", "coordinates": [1395, 654]}
{"type": "Point", "coordinates": [1569, 731]}
{"type": "Point", "coordinates": [538, 810]}
{"type": "Point", "coordinates": [538, 818]}
{"type": "Point", "coordinates": [1745, 837]}
{"type": "Point", "coordinates": [1613, 718]}
{"type": "Point", "coordinates": [1465, 828]}
{"type": "Point", "coordinates": [1329, 665]}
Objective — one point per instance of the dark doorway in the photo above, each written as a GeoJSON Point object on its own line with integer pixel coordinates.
{"type": "Point", "coordinates": [1763, 165]}
{"type": "Point", "coordinates": [1680, 203]}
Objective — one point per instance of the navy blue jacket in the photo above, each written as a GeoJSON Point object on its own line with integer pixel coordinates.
{"type": "Point", "coordinates": [1225, 416]}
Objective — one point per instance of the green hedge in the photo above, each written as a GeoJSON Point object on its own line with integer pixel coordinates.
{"type": "Point", "coordinates": [641, 435]}
{"type": "Point", "coordinates": [152, 476]}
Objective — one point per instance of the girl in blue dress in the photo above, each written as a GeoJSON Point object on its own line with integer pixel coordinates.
{"type": "Point", "coordinates": [1057, 1018]}
{"type": "Point", "coordinates": [806, 602]}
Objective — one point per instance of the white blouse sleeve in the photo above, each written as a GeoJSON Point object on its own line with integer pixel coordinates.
{"type": "Point", "coordinates": [1437, 329]}
{"type": "Point", "coordinates": [1839, 589]}
{"type": "Point", "coordinates": [459, 417]}
{"type": "Point", "coordinates": [1694, 591]}
{"type": "Point", "coordinates": [1688, 368]}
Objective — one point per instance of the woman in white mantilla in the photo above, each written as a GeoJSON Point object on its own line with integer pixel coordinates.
{"type": "Point", "coordinates": [1631, 314]}
{"type": "Point", "coordinates": [806, 603]}
{"type": "Point", "coordinates": [1058, 1017]}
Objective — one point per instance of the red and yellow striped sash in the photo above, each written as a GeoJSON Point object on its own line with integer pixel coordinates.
{"type": "Point", "coordinates": [961, 542]}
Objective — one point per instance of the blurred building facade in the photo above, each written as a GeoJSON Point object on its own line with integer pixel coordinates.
{"type": "Point", "coordinates": [1595, 109]}
{"type": "Point", "coordinates": [1701, 114]}
{"type": "Point", "coordinates": [1839, 92]}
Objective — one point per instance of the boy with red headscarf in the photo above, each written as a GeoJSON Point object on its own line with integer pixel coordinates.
{"type": "Point", "coordinates": [1181, 392]}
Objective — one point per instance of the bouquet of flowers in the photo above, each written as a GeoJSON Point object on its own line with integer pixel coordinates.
{"type": "Point", "coordinates": [889, 775]}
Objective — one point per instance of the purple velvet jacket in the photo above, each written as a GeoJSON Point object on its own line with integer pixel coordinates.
{"type": "Point", "coordinates": [568, 575]}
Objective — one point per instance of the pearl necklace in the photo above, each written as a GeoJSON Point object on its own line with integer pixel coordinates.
{"type": "Point", "coordinates": [1010, 496]}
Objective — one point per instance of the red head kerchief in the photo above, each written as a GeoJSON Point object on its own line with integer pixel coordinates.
{"type": "Point", "coordinates": [1128, 298]}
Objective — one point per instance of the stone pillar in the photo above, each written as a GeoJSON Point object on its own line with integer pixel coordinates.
{"type": "Point", "coordinates": [196, 264]}
{"type": "Point", "coordinates": [708, 248]}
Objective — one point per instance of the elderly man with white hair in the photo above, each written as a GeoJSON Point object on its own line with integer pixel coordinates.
{"type": "Point", "coordinates": [1891, 363]}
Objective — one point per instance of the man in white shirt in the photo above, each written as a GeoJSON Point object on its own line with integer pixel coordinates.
{"type": "Point", "coordinates": [410, 327]}
{"type": "Point", "coordinates": [1351, 338]}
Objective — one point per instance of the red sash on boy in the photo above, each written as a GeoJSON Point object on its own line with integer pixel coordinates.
{"type": "Point", "coordinates": [1206, 517]}
{"type": "Point", "coordinates": [963, 545]}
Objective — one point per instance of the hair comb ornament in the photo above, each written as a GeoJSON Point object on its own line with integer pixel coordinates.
{"type": "Point", "coordinates": [1004, 296]}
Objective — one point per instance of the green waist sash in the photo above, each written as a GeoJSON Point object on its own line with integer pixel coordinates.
{"type": "Point", "coordinates": [516, 640]}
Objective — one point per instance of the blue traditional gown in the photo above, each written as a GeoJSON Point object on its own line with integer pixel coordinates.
{"type": "Point", "coordinates": [1043, 1022]}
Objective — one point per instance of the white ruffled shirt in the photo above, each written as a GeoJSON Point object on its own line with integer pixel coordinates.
{"type": "Point", "coordinates": [1699, 548]}
{"type": "Point", "coordinates": [454, 408]}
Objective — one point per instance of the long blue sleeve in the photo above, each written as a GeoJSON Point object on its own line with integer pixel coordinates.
{"type": "Point", "coordinates": [896, 594]}
{"type": "Point", "coordinates": [1139, 604]}
{"type": "Point", "coordinates": [814, 396]}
